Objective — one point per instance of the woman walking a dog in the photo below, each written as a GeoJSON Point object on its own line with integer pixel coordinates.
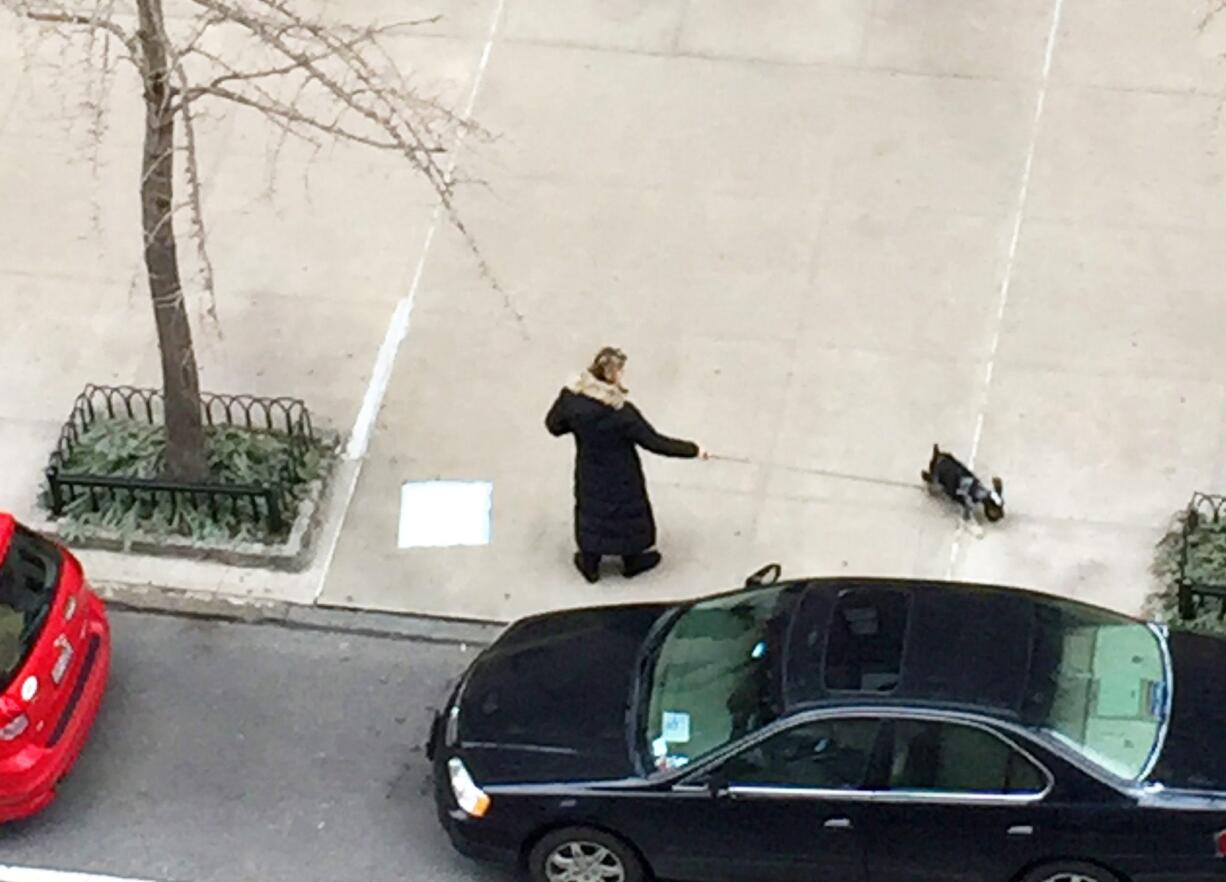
{"type": "Point", "coordinates": [613, 515]}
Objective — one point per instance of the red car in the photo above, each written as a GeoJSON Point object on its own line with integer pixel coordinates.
{"type": "Point", "coordinates": [55, 650]}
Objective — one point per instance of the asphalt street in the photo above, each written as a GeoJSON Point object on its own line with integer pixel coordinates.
{"type": "Point", "coordinates": [227, 752]}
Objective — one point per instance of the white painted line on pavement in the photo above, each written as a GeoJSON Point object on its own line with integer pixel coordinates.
{"type": "Point", "coordinates": [398, 328]}
{"type": "Point", "coordinates": [1006, 281]}
{"type": "Point", "coordinates": [1022, 198]}
{"type": "Point", "coordinates": [34, 874]}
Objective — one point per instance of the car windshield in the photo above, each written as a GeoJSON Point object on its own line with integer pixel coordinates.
{"type": "Point", "coordinates": [1098, 683]}
{"type": "Point", "coordinates": [28, 575]}
{"type": "Point", "coordinates": [715, 676]}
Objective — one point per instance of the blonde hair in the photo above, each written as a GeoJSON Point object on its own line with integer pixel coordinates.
{"type": "Point", "coordinates": [607, 363]}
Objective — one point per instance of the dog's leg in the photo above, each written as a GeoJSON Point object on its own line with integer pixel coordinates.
{"type": "Point", "coordinates": [968, 521]}
{"type": "Point", "coordinates": [964, 496]}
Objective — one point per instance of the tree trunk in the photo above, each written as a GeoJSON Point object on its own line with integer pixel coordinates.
{"type": "Point", "coordinates": [185, 451]}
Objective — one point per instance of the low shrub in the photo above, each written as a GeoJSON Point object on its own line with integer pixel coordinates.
{"type": "Point", "coordinates": [236, 455]}
{"type": "Point", "coordinates": [1206, 564]}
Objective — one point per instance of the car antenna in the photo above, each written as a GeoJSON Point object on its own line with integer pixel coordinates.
{"type": "Point", "coordinates": [768, 575]}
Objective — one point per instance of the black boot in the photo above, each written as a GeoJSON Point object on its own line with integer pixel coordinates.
{"type": "Point", "coordinates": [589, 566]}
{"type": "Point", "coordinates": [634, 564]}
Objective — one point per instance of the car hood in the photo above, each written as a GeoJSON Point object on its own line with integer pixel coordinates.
{"type": "Point", "coordinates": [548, 700]}
{"type": "Point", "coordinates": [1191, 756]}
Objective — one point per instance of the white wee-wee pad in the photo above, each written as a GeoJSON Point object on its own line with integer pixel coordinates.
{"type": "Point", "coordinates": [443, 514]}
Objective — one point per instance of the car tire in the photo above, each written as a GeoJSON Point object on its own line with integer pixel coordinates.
{"type": "Point", "coordinates": [579, 854]}
{"type": "Point", "coordinates": [1070, 871]}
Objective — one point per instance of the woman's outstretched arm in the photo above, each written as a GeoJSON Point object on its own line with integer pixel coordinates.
{"type": "Point", "coordinates": [644, 435]}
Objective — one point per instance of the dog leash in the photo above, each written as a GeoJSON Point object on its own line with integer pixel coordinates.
{"type": "Point", "coordinates": [826, 473]}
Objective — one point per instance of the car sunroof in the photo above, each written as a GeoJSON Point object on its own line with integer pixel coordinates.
{"type": "Point", "coordinates": [864, 646]}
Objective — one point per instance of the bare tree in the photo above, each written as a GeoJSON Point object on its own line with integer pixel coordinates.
{"type": "Point", "coordinates": [312, 79]}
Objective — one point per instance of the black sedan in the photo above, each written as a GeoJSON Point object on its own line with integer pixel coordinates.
{"type": "Point", "coordinates": [841, 729]}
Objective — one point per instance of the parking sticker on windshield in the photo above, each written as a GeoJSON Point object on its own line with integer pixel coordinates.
{"type": "Point", "coordinates": [676, 727]}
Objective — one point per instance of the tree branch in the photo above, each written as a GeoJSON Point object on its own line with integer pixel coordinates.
{"type": "Point", "coordinates": [72, 18]}
{"type": "Point", "coordinates": [233, 74]}
{"type": "Point", "coordinates": [289, 115]}
{"type": "Point", "coordinates": [388, 110]}
{"type": "Point", "coordinates": [1213, 11]}
{"type": "Point", "coordinates": [196, 202]}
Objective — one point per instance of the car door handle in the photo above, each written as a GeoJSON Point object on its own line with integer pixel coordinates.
{"type": "Point", "coordinates": [1021, 830]}
{"type": "Point", "coordinates": [837, 824]}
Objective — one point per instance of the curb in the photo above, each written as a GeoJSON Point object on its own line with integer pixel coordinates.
{"type": "Point", "coordinates": [155, 600]}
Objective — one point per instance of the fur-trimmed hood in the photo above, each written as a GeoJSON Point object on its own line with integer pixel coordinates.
{"type": "Point", "coordinates": [588, 385]}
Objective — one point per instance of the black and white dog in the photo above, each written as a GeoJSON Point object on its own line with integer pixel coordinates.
{"type": "Point", "coordinates": [946, 474]}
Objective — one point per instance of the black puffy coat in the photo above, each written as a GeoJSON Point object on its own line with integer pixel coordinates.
{"type": "Point", "coordinates": [612, 512]}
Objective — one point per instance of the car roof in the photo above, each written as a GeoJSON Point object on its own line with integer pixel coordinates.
{"type": "Point", "coordinates": [966, 646]}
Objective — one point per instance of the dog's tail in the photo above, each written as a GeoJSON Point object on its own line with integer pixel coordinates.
{"type": "Point", "coordinates": [928, 475]}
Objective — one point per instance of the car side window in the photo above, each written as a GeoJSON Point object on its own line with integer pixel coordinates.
{"type": "Point", "coordinates": [819, 755]}
{"type": "Point", "coordinates": [959, 759]}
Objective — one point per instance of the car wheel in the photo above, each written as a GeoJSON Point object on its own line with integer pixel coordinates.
{"type": "Point", "coordinates": [581, 854]}
{"type": "Point", "coordinates": [1070, 872]}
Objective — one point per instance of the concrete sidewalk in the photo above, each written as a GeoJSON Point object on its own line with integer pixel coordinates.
{"type": "Point", "coordinates": [828, 234]}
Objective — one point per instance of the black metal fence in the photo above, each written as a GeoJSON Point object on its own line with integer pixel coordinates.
{"type": "Point", "coordinates": [1204, 511]}
{"type": "Point", "coordinates": [269, 503]}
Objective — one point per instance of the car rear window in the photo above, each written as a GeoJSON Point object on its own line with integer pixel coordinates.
{"type": "Point", "coordinates": [1098, 682]}
{"type": "Point", "coordinates": [864, 647]}
{"type": "Point", "coordinates": [28, 576]}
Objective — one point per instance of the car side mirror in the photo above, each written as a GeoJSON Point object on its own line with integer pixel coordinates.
{"type": "Point", "coordinates": [717, 784]}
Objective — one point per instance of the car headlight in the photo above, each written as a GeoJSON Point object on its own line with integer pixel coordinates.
{"type": "Point", "coordinates": [471, 798]}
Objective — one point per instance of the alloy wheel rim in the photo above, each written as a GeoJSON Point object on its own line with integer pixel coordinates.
{"type": "Point", "coordinates": [582, 861]}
